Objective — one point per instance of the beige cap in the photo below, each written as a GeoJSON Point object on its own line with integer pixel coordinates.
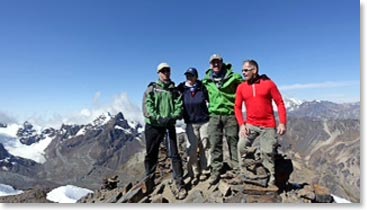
{"type": "Point", "coordinates": [214, 57]}
{"type": "Point", "coordinates": [162, 65]}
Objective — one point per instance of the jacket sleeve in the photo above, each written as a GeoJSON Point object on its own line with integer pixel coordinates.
{"type": "Point", "coordinates": [239, 79]}
{"type": "Point", "coordinates": [149, 109]}
{"type": "Point", "coordinates": [279, 102]}
{"type": "Point", "coordinates": [180, 87]}
{"type": "Point", "coordinates": [206, 94]}
{"type": "Point", "coordinates": [178, 105]}
{"type": "Point", "coordinates": [238, 106]}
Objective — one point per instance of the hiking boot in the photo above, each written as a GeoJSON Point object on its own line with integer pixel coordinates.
{"type": "Point", "coordinates": [206, 172]}
{"type": "Point", "coordinates": [149, 186]}
{"type": "Point", "coordinates": [228, 175]}
{"type": "Point", "coordinates": [214, 179]}
{"type": "Point", "coordinates": [272, 188]}
{"type": "Point", "coordinates": [182, 193]}
{"type": "Point", "coordinates": [195, 181]}
{"type": "Point", "coordinates": [236, 181]}
{"type": "Point", "coordinates": [203, 177]}
{"type": "Point", "coordinates": [271, 185]}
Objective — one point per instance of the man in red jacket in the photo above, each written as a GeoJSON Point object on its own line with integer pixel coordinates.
{"type": "Point", "coordinates": [257, 93]}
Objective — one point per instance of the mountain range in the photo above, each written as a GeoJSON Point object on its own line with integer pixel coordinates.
{"type": "Point", "coordinates": [323, 141]}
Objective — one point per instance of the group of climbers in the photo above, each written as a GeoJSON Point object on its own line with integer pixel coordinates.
{"type": "Point", "coordinates": [212, 108]}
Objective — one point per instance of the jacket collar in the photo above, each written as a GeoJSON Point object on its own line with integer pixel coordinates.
{"type": "Point", "coordinates": [257, 79]}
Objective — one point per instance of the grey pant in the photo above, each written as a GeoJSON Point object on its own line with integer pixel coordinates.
{"type": "Point", "coordinates": [268, 140]}
{"type": "Point", "coordinates": [218, 126]}
{"type": "Point", "coordinates": [197, 148]}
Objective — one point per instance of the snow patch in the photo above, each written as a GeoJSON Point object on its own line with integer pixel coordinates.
{"type": "Point", "coordinates": [10, 131]}
{"type": "Point", "coordinates": [34, 151]}
{"type": "Point", "coordinates": [102, 120]}
{"type": "Point", "coordinates": [295, 101]}
{"type": "Point", "coordinates": [81, 132]}
{"type": "Point", "coordinates": [339, 199]}
{"type": "Point", "coordinates": [132, 124]}
{"type": "Point", "coordinates": [67, 194]}
{"type": "Point", "coordinates": [6, 190]}
{"type": "Point", "coordinates": [140, 130]}
{"type": "Point", "coordinates": [290, 104]}
{"type": "Point", "coordinates": [121, 128]}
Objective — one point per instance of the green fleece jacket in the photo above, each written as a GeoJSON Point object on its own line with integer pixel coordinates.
{"type": "Point", "coordinates": [162, 100]}
{"type": "Point", "coordinates": [222, 91]}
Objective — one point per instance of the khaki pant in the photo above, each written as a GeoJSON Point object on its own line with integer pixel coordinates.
{"type": "Point", "coordinates": [197, 148]}
{"type": "Point", "coordinates": [218, 127]}
{"type": "Point", "coordinates": [268, 140]}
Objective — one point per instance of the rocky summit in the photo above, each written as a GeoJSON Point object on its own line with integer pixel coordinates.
{"type": "Point", "coordinates": [227, 190]}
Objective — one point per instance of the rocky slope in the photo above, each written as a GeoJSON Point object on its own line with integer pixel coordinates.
{"type": "Point", "coordinates": [77, 154]}
{"type": "Point", "coordinates": [86, 154]}
{"type": "Point", "coordinates": [329, 150]}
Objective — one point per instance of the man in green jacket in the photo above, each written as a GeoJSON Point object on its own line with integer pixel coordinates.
{"type": "Point", "coordinates": [162, 106]}
{"type": "Point", "coordinates": [221, 83]}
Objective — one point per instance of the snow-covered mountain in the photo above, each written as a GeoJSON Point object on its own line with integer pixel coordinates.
{"type": "Point", "coordinates": [292, 103]}
{"type": "Point", "coordinates": [30, 141]}
{"type": "Point", "coordinates": [326, 110]}
{"type": "Point", "coordinates": [81, 154]}
{"type": "Point", "coordinates": [14, 139]}
{"type": "Point", "coordinates": [320, 109]}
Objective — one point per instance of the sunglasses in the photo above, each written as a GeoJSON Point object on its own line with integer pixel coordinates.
{"type": "Point", "coordinates": [165, 71]}
{"type": "Point", "coordinates": [247, 70]}
{"type": "Point", "coordinates": [215, 61]}
{"type": "Point", "coordinates": [190, 75]}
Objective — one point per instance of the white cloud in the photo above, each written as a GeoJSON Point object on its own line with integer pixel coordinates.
{"type": "Point", "coordinates": [53, 120]}
{"type": "Point", "coordinates": [85, 112]}
{"type": "Point", "coordinates": [327, 84]}
{"type": "Point", "coordinates": [96, 99]}
{"type": "Point", "coordinates": [120, 103]}
{"type": "Point", "coordinates": [6, 118]}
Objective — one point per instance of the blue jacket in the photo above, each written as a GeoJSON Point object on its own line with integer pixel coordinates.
{"type": "Point", "coordinates": [195, 102]}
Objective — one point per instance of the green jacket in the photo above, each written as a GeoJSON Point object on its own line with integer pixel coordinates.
{"type": "Point", "coordinates": [222, 93]}
{"type": "Point", "coordinates": [160, 101]}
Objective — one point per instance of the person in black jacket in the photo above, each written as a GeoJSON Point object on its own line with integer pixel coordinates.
{"type": "Point", "coordinates": [196, 117]}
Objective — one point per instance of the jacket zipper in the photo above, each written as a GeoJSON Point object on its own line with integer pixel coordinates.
{"type": "Point", "coordinates": [253, 90]}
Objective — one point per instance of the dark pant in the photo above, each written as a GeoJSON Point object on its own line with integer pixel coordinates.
{"type": "Point", "coordinates": [153, 137]}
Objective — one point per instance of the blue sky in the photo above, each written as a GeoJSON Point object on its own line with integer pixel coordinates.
{"type": "Point", "coordinates": [63, 56]}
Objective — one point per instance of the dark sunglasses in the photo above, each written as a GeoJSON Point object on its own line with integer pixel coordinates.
{"type": "Point", "coordinates": [189, 75]}
{"type": "Point", "coordinates": [165, 70]}
{"type": "Point", "coordinates": [247, 70]}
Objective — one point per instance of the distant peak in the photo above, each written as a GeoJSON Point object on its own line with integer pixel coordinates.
{"type": "Point", "coordinates": [102, 119]}
{"type": "Point", "coordinates": [119, 116]}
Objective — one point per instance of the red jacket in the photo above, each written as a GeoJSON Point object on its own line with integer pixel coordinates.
{"type": "Point", "coordinates": [258, 98]}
